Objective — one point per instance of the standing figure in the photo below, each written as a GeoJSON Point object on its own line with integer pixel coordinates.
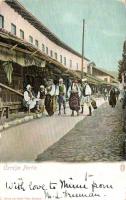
{"type": "Point", "coordinates": [61, 92]}
{"type": "Point", "coordinates": [105, 92]}
{"type": "Point", "coordinates": [112, 99]}
{"type": "Point", "coordinates": [86, 96]}
{"type": "Point", "coordinates": [29, 100]}
{"type": "Point", "coordinates": [41, 98]}
{"type": "Point", "coordinates": [74, 97]}
{"type": "Point", "coordinates": [50, 99]}
{"type": "Point", "coordinates": [117, 93]}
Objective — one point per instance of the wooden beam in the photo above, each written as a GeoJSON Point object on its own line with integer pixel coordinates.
{"type": "Point", "coordinates": [14, 47]}
{"type": "Point", "coordinates": [34, 52]}
{"type": "Point", "coordinates": [11, 89]}
{"type": "Point", "coordinates": [22, 50]}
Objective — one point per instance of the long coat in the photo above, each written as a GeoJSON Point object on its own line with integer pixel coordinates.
{"type": "Point", "coordinates": [112, 100]}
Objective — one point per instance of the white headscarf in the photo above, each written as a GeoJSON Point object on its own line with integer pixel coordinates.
{"type": "Point", "coordinates": [28, 86]}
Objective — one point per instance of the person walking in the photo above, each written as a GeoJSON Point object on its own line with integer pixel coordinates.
{"type": "Point", "coordinates": [61, 92]}
{"type": "Point", "coordinates": [74, 97]}
{"type": "Point", "coordinates": [112, 98]}
{"type": "Point", "coordinates": [86, 96]}
{"type": "Point", "coordinates": [117, 93]}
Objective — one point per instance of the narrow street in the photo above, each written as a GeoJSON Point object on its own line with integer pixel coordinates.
{"type": "Point", "coordinates": [65, 138]}
{"type": "Point", "coordinates": [96, 138]}
{"type": "Point", "coordinates": [25, 141]}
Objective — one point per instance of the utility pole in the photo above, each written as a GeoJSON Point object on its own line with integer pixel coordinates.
{"type": "Point", "coordinates": [82, 64]}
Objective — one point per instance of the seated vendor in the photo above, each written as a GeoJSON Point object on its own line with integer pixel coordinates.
{"type": "Point", "coordinates": [29, 100]}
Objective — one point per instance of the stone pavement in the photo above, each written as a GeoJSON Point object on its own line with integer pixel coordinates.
{"type": "Point", "coordinates": [25, 141]}
{"type": "Point", "coordinates": [96, 138]}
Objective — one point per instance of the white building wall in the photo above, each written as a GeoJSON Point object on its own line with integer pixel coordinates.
{"type": "Point", "coordinates": [10, 16]}
{"type": "Point", "coordinates": [104, 78]}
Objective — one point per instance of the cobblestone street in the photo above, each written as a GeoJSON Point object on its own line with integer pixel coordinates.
{"type": "Point", "coordinates": [96, 138]}
{"type": "Point", "coordinates": [27, 140]}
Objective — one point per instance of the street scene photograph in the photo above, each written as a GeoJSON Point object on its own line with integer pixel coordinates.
{"type": "Point", "coordinates": [62, 80]}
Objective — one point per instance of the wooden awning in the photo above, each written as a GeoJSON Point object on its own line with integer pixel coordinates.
{"type": "Point", "coordinates": [9, 41]}
{"type": "Point", "coordinates": [30, 52]}
{"type": "Point", "coordinates": [91, 79]}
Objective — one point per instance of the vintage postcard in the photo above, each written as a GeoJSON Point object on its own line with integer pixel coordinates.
{"type": "Point", "coordinates": [63, 99]}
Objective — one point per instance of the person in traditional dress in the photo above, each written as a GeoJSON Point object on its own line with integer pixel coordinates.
{"type": "Point", "coordinates": [41, 98]}
{"type": "Point", "coordinates": [61, 92]}
{"type": "Point", "coordinates": [50, 99]}
{"type": "Point", "coordinates": [29, 100]}
{"type": "Point", "coordinates": [74, 97]}
{"type": "Point", "coordinates": [112, 97]}
{"type": "Point", "coordinates": [86, 96]}
{"type": "Point", "coordinates": [105, 93]}
{"type": "Point", "coordinates": [117, 93]}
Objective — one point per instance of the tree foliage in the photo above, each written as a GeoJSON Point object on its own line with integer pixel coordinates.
{"type": "Point", "coordinates": [122, 63]}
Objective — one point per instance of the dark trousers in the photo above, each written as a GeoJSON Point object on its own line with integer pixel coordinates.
{"type": "Point", "coordinates": [61, 101]}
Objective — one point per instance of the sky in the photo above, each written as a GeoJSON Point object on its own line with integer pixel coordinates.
{"type": "Point", "coordinates": [105, 26]}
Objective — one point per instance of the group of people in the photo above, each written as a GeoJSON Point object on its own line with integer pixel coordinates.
{"type": "Point", "coordinates": [47, 97]}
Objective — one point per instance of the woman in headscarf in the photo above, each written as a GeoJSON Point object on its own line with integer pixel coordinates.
{"type": "Point", "coordinates": [112, 99]}
{"type": "Point", "coordinates": [74, 94]}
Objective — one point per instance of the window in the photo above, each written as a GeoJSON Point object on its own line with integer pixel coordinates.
{"type": "Point", "coordinates": [36, 43]}
{"type": "Point", "coordinates": [77, 66]}
{"type": "Point", "coordinates": [51, 53]}
{"type": "Point", "coordinates": [21, 34]}
{"type": "Point", "coordinates": [89, 69]}
{"type": "Point", "coordinates": [13, 29]}
{"type": "Point", "coordinates": [1, 21]}
{"type": "Point", "coordinates": [43, 47]}
{"type": "Point", "coordinates": [55, 55]}
{"type": "Point", "coordinates": [70, 63]}
{"type": "Point", "coordinates": [105, 79]}
{"type": "Point", "coordinates": [61, 58]}
{"type": "Point", "coordinates": [47, 51]}
{"type": "Point", "coordinates": [30, 39]}
{"type": "Point", "coordinates": [64, 60]}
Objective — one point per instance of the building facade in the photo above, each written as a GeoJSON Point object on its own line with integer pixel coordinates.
{"type": "Point", "coordinates": [13, 20]}
{"type": "Point", "coordinates": [106, 77]}
{"type": "Point", "coordinates": [31, 54]}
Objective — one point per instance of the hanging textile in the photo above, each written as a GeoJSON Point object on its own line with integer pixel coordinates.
{"type": "Point", "coordinates": [8, 70]}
